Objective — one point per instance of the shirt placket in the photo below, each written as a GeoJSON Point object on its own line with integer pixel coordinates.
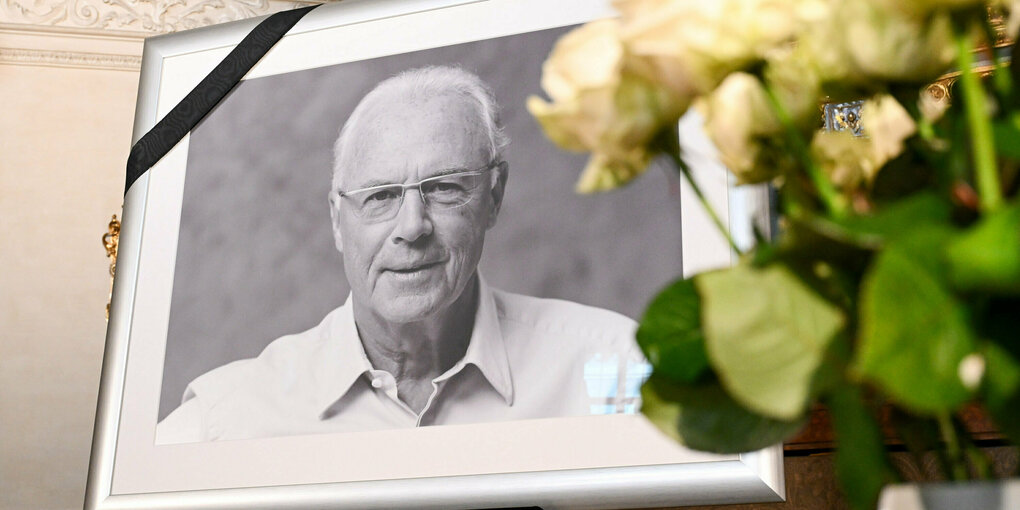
{"type": "Point", "coordinates": [384, 381]}
{"type": "Point", "coordinates": [437, 386]}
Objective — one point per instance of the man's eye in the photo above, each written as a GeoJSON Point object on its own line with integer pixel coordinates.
{"type": "Point", "coordinates": [444, 187]}
{"type": "Point", "coordinates": [382, 196]}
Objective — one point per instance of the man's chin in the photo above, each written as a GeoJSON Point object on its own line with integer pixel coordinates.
{"type": "Point", "coordinates": [408, 308]}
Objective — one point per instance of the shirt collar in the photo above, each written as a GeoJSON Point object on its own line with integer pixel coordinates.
{"type": "Point", "coordinates": [342, 359]}
{"type": "Point", "coordinates": [486, 349]}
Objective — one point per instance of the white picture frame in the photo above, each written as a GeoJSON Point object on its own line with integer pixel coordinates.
{"type": "Point", "coordinates": [617, 461]}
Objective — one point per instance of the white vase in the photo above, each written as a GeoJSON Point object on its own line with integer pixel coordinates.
{"type": "Point", "coordinates": [993, 495]}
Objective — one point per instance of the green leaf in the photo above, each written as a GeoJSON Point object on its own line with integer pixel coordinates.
{"type": "Point", "coordinates": [812, 238]}
{"type": "Point", "coordinates": [996, 319]}
{"type": "Point", "coordinates": [909, 173]}
{"type": "Point", "coordinates": [875, 230]}
{"type": "Point", "coordinates": [670, 333]}
{"type": "Point", "coordinates": [913, 332]}
{"type": "Point", "coordinates": [901, 216]}
{"type": "Point", "coordinates": [987, 256]}
{"type": "Point", "coordinates": [1001, 389]}
{"type": "Point", "coordinates": [766, 333]}
{"type": "Point", "coordinates": [1006, 133]}
{"type": "Point", "coordinates": [1014, 70]}
{"type": "Point", "coordinates": [861, 464]}
{"type": "Point", "coordinates": [663, 413]}
{"type": "Point", "coordinates": [704, 417]}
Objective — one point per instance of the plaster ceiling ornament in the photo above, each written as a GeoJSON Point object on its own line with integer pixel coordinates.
{"type": "Point", "coordinates": [147, 16]}
{"type": "Point", "coordinates": [79, 59]}
{"type": "Point", "coordinates": [107, 34]}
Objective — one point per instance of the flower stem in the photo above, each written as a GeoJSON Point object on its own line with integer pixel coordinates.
{"type": "Point", "coordinates": [953, 452]}
{"type": "Point", "coordinates": [686, 172]}
{"type": "Point", "coordinates": [834, 203]}
{"type": "Point", "coordinates": [977, 459]}
{"type": "Point", "coordinates": [980, 462]}
{"type": "Point", "coordinates": [978, 123]}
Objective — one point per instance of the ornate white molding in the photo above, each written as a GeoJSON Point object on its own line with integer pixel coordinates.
{"type": "Point", "coordinates": [70, 59]}
{"type": "Point", "coordinates": [107, 34]}
{"type": "Point", "coordinates": [146, 17]}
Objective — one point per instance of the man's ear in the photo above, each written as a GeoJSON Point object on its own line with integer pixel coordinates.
{"type": "Point", "coordinates": [334, 217]}
{"type": "Point", "coordinates": [501, 173]}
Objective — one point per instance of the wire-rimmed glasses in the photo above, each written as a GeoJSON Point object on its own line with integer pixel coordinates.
{"type": "Point", "coordinates": [448, 191]}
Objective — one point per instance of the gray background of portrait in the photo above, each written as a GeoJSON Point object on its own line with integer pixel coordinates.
{"type": "Point", "coordinates": [255, 256]}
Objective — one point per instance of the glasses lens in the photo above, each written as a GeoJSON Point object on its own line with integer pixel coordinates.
{"type": "Point", "coordinates": [451, 190]}
{"type": "Point", "coordinates": [379, 202]}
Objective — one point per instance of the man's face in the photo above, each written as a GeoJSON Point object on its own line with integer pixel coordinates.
{"type": "Point", "coordinates": [418, 263]}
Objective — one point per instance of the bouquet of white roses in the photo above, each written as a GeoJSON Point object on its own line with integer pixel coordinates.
{"type": "Point", "coordinates": [895, 280]}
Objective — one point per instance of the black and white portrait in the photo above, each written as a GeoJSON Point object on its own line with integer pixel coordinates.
{"type": "Point", "coordinates": [392, 243]}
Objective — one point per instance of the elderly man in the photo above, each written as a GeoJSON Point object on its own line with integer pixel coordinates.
{"type": "Point", "coordinates": [418, 180]}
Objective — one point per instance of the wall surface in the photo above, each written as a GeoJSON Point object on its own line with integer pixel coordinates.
{"type": "Point", "coordinates": [65, 137]}
{"type": "Point", "coordinates": [68, 81]}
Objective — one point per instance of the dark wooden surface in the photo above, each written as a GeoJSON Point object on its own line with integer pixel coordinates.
{"type": "Point", "coordinates": [811, 481]}
{"type": "Point", "coordinates": [817, 435]}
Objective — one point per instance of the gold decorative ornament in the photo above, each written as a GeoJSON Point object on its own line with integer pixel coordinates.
{"type": "Point", "coordinates": [842, 117]}
{"type": "Point", "coordinates": [997, 20]}
{"type": "Point", "coordinates": [846, 116]}
{"type": "Point", "coordinates": [110, 240]}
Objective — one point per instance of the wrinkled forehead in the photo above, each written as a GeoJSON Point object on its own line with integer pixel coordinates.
{"type": "Point", "coordinates": [407, 139]}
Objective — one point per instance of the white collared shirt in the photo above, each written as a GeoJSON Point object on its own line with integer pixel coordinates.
{"type": "Point", "coordinates": [527, 358]}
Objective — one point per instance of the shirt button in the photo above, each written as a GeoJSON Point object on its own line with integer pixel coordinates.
{"type": "Point", "coordinates": [377, 382]}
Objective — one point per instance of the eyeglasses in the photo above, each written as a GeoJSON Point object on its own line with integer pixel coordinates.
{"type": "Point", "coordinates": [381, 203]}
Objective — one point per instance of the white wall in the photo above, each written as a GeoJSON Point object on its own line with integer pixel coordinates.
{"type": "Point", "coordinates": [67, 93]}
{"type": "Point", "coordinates": [65, 136]}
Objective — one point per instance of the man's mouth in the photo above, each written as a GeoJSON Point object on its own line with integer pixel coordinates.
{"type": "Point", "coordinates": [413, 269]}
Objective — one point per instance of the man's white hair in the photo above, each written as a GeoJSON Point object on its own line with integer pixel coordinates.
{"type": "Point", "coordinates": [423, 82]}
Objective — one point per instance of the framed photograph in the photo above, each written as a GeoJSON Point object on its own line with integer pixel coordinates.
{"type": "Point", "coordinates": [365, 281]}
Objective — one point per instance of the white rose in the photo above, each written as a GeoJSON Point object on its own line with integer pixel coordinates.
{"type": "Point", "coordinates": [603, 173]}
{"type": "Point", "coordinates": [796, 82]}
{"type": "Point", "coordinates": [853, 162]}
{"type": "Point", "coordinates": [886, 124]}
{"type": "Point", "coordinates": [600, 107]}
{"type": "Point", "coordinates": [689, 46]}
{"type": "Point", "coordinates": [846, 159]}
{"type": "Point", "coordinates": [1013, 19]}
{"type": "Point", "coordinates": [738, 117]}
{"type": "Point", "coordinates": [862, 43]}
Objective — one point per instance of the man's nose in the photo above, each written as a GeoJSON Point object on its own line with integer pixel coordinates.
{"type": "Point", "coordinates": [413, 221]}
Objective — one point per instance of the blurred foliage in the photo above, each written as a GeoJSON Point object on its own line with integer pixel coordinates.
{"type": "Point", "coordinates": [895, 281]}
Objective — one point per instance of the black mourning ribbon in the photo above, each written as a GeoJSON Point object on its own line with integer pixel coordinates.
{"type": "Point", "coordinates": [208, 93]}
